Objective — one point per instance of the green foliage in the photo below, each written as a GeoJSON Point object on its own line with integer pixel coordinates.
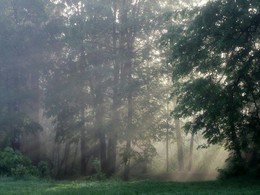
{"type": "Point", "coordinates": [22, 42]}
{"type": "Point", "coordinates": [21, 121]}
{"type": "Point", "coordinates": [20, 171]}
{"type": "Point", "coordinates": [99, 175]}
{"type": "Point", "coordinates": [234, 168]}
{"type": "Point", "coordinates": [13, 163]}
{"type": "Point", "coordinates": [215, 60]}
{"type": "Point", "coordinates": [103, 61]}
{"type": "Point", "coordinates": [44, 169]}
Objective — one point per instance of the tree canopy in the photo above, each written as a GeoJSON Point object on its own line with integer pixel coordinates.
{"type": "Point", "coordinates": [216, 74]}
{"type": "Point", "coordinates": [90, 74]}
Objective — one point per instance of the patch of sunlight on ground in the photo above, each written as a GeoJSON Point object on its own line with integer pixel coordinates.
{"type": "Point", "coordinates": [73, 185]}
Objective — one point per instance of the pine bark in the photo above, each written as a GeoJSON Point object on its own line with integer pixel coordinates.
{"type": "Point", "coordinates": [179, 144]}
{"type": "Point", "coordinates": [113, 137]}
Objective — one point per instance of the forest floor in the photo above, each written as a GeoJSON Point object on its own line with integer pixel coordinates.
{"type": "Point", "coordinates": [112, 187]}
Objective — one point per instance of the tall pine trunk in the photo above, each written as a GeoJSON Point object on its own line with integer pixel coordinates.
{"type": "Point", "coordinates": [128, 138]}
{"type": "Point", "coordinates": [167, 141]}
{"type": "Point", "coordinates": [100, 131]}
{"type": "Point", "coordinates": [31, 142]}
{"type": "Point", "coordinates": [180, 151]}
{"type": "Point", "coordinates": [191, 152]}
{"type": "Point", "coordinates": [83, 160]}
{"type": "Point", "coordinates": [231, 120]}
{"type": "Point", "coordinates": [112, 140]}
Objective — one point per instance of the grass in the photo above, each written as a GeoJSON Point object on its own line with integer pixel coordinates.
{"type": "Point", "coordinates": [35, 187]}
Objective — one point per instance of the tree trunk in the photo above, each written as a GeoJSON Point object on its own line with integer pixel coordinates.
{"type": "Point", "coordinates": [101, 135]}
{"type": "Point", "coordinates": [112, 141]}
{"type": "Point", "coordinates": [14, 109]}
{"type": "Point", "coordinates": [235, 141]}
{"type": "Point", "coordinates": [128, 138]}
{"type": "Point", "coordinates": [233, 134]}
{"type": "Point", "coordinates": [179, 144]}
{"type": "Point", "coordinates": [83, 160]}
{"type": "Point", "coordinates": [129, 133]}
{"type": "Point", "coordinates": [167, 141]}
{"type": "Point", "coordinates": [31, 143]}
{"type": "Point", "coordinates": [167, 150]}
{"type": "Point", "coordinates": [111, 155]}
{"type": "Point", "coordinates": [191, 152]}
{"type": "Point", "coordinates": [128, 35]}
{"type": "Point", "coordinates": [127, 156]}
{"type": "Point", "coordinates": [65, 159]}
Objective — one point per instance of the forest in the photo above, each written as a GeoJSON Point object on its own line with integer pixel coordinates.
{"type": "Point", "coordinates": [130, 89]}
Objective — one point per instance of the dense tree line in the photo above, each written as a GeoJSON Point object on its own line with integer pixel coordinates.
{"type": "Point", "coordinates": [215, 60]}
{"type": "Point", "coordinates": [85, 87]}
{"type": "Point", "coordinates": [87, 66]}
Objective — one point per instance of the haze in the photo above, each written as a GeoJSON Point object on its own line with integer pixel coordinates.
{"type": "Point", "coordinates": [87, 87]}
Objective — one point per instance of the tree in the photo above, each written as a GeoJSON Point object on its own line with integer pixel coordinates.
{"type": "Point", "coordinates": [99, 69]}
{"type": "Point", "coordinates": [23, 42]}
{"type": "Point", "coordinates": [216, 75]}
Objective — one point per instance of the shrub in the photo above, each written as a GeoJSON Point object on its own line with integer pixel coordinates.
{"type": "Point", "coordinates": [99, 175]}
{"type": "Point", "coordinates": [19, 171]}
{"type": "Point", "coordinates": [235, 168]}
{"type": "Point", "coordinates": [43, 168]}
{"type": "Point", "coordinates": [14, 163]}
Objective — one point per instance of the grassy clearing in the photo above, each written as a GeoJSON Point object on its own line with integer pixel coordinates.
{"type": "Point", "coordinates": [12, 186]}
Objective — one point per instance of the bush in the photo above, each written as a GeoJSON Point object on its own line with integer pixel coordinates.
{"type": "Point", "coordinates": [13, 163]}
{"type": "Point", "coordinates": [99, 175]}
{"type": "Point", "coordinates": [20, 171]}
{"type": "Point", "coordinates": [43, 168]}
{"type": "Point", "coordinates": [235, 168]}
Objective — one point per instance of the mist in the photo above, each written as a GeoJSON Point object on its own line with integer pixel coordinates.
{"type": "Point", "coordinates": [87, 87]}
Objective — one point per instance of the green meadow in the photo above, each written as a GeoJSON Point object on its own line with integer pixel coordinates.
{"type": "Point", "coordinates": [35, 186]}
